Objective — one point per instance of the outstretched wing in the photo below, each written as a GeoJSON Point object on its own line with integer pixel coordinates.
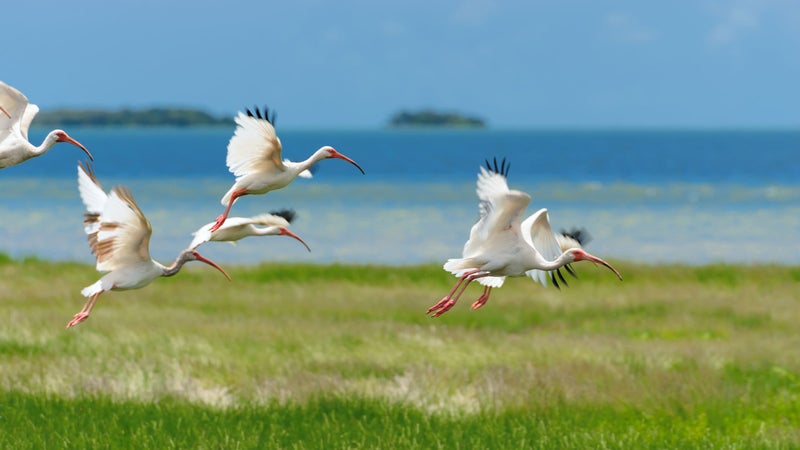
{"type": "Point", "coordinates": [123, 233]}
{"type": "Point", "coordinates": [92, 196]}
{"type": "Point", "coordinates": [255, 146]}
{"type": "Point", "coordinates": [14, 103]}
{"type": "Point", "coordinates": [537, 233]}
{"type": "Point", "coordinates": [491, 186]}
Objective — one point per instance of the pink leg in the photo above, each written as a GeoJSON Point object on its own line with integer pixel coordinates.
{"type": "Point", "coordinates": [483, 298]}
{"type": "Point", "coordinates": [85, 311]}
{"type": "Point", "coordinates": [450, 301]}
{"type": "Point", "coordinates": [446, 298]}
{"type": "Point", "coordinates": [221, 219]}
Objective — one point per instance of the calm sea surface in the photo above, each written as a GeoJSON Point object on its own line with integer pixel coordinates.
{"type": "Point", "coordinates": [650, 196]}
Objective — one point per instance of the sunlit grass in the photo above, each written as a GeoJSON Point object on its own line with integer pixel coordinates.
{"type": "Point", "coordinates": [671, 356]}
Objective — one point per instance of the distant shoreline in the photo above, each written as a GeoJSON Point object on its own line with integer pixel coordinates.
{"type": "Point", "coordinates": [127, 117]}
{"type": "Point", "coordinates": [432, 118]}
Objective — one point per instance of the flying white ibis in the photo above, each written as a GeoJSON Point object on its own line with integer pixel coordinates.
{"type": "Point", "coordinates": [236, 228]}
{"type": "Point", "coordinates": [254, 157]}
{"type": "Point", "coordinates": [119, 236]}
{"type": "Point", "coordinates": [14, 145]}
{"type": "Point", "coordinates": [499, 246]}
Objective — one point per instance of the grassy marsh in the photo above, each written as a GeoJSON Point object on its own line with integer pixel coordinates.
{"type": "Point", "coordinates": [310, 356]}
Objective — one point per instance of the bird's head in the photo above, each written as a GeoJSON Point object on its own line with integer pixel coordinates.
{"type": "Point", "coordinates": [62, 136]}
{"type": "Point", "coordinates": [576, 254]}
{"type": "Point", "coordinates": [193, 255]}
{"type": "Point", "coordinates": [329, 152]}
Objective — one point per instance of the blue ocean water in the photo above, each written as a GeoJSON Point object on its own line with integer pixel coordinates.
{"type": "Point", "coordinates": [650, 196]}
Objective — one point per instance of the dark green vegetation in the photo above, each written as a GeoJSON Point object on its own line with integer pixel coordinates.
{"type": "Point", "coordinates": [430, 118]}
{"type": "Point", "coordinates": [152, 117]}
{"type": "Point", "coordinates": [312, 356]}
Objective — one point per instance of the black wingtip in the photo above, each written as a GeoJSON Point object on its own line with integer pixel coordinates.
{"type": "Point", "coordinates": [561, 277]}
{"type": "Point", "coordinates": [553, 279]}
{"type": "Point", "coordinates": [579, 234]}
{"type": "Point", "coordinates": [288, 214]}
{"type": "Point", "coordinates": [258, 114]}
{"type": "Point", "coordinates": [570, 271]}
{"type": "Point", "coordinates": [501, 168]}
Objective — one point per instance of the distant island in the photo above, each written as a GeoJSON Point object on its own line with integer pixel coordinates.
{"type": "Point", "coordinates": [150, 117]}
{"type": "Point", "coordinates": [430, 118]}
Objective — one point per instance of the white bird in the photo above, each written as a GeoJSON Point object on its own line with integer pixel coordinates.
{"type": "Point", "coordinates": [14, 145]}
{"type": "Point", "coordinates": [119, 236]}
{"type": "Point", "coordinates": [254, 157]}
{"type": "Point", "coordinates": [500, 246]}
{"type": "Point", "coordinates": [236, 228]}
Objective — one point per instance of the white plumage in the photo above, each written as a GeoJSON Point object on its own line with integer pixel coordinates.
{"type": "Point", "coordinates": [14, 124]}
{"type": "Point", "coordinates": [236, 228]}
{"type": "Point", "coordinates": [501, 244]}
{"type": "Point", "coordinates": [119, 237]}
{"type": "Point", "coordinates": [254, 158]}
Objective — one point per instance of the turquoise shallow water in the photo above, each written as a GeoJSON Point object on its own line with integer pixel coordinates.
{"type": "Point", "coordinates": [692, 197]}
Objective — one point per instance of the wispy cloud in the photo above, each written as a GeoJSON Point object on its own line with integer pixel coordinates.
{"type": "Point", "coordinates": [734, 21]}
{"type": "Point", "coordinates": [626, 27]}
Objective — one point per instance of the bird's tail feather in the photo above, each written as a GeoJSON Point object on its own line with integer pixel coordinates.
{"type": "Point", "coordinates": [458, 266]}
{"type": "Point", "coordinates": [93, 289]}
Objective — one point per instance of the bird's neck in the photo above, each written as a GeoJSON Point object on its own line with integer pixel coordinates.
{"type": "Point", "coordinates": [316, 157]}
{"type": "Point", "coordinates": [175, 267]}
{"type": "Point", "coordinates": [48, 143]}
{"type": "Point", "coordinates": [561, 261]}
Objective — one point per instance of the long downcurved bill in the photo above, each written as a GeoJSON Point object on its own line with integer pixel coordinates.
{"type": "Point", "coordinates": [285, 232]}
{"type": "Point", "coordinates": [5, 111]}
{"type": "Point", "coordinates": [199, 257]}
{"type": "Point", "coordinates": [597, 261]}
{"type": "Point", "coordinates": [67, 138]}
{"type": "Point", "coordinates": [341, 156]}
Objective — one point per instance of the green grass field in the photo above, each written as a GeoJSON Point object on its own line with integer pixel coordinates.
{"type": "Point", "coordinates": [330, 356]}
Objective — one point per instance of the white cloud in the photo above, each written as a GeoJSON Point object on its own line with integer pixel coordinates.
{"type": "Point", "coordinates": [734, 20]}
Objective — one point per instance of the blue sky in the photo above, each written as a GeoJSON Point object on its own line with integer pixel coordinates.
{"type": "Point", "coordinates": [518, 64]}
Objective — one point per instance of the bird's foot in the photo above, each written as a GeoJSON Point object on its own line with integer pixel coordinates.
{"type": "Point", "coordinates": [438, 305]}
{"type": "Point", "coordinates": [480, 301]}
{"type": "Point", "coordinates": [78, 318]}
{"type": "Point", "coordinates": [446, 307]}
{"type": "Point", "coordinates": [442, 307]}
{"type": "Point", "coordinates": [220, 220]}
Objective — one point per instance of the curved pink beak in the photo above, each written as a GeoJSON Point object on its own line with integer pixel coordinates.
{"type": "Point", "coordinates": [286, 232]}
{"type": "Point", "coordinates": [201, 258]}
{"type": "Point", "coordinates": [5, 111]}
{"type": "Point", "coordinates": [335, 154]}
{"type": "Point", "coordinates": [67, 138]}
{"type": "Point", "coordinates": [596, 261]}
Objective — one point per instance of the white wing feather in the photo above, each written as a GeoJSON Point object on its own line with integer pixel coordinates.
{"type": "Point", "coordinates": [124, 235]}
{"type": "Point", "coordinates": [15, 103]}
{"type": "Point", "coordinates": [27, 118]}
{"type": "Point", "coordinates": [254, 147]}
{"type": "Point", "coordinates": [93, 198]}
{"type": "Point", "coordinates": [537, 233]}
{"type": "Point", "coordinates": [227, 229]}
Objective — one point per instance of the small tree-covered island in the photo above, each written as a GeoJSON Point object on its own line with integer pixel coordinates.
{"type": "Point", "coordinates": [150, 117]}
{"type": "Point", "coordinates": [430, 118]}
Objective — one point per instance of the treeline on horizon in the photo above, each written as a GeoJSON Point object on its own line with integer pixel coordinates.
{"type": "Point", "coordinates": [186, 117]}
{"type": "Point", "coordinates": [429, 117]}
{"type": "Point", "coordinates": [150, 117]}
